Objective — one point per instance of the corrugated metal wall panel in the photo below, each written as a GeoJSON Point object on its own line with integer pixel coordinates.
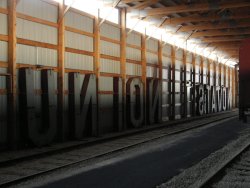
{"type": "Point", "coordinates": [73, 19]}
{"type": "Point", "coordinates": [3, 3]}
{"type": "Point", "coordinates": [167, 49]}
{"type": "Point", "coordinates": [110, 31]}
{"type": "Point", "coordinates": [77, 41]}
{"type": "Point", "coordinates": [152, 72]}
{"type": "Point", "coordinates": [47, 57]}
{"type": "Point", "coordinates": [197, 60]}
{"type": "Point", "coordinates": [109, 48]}
{"type": "Point", "coordinates": [3, 70]}
{"type": "Point", "coordinates": [3, 51]}
{"type": "Point", "coordinates": [133, 69]}
{"type": "Point", "coordinates": [152, 44]}
{"type": "Point", "coordinates": [106, 83]}
{"type": "Point", "coordinates": [179, 53]}
{"type": "Point", "coordinates": [178, 64]}
{"type": "Point", "coordinates": [133, 54]}
{"type": "Point", "coordinates": [110, 66]}
{"type": "Point", "coordinates": [151, 58]}
{"type": "Point", "coordinates": [35, 31]}
{"type": "Point", "coordinates": [26, 54]}
{"type": "Point", "coordinates": [39, 9]}
{"type": "Point", "coordinates": [189, 58]}
{"type": "Point", "coordinates": [78, 61]}
{"type": "Point", "coordinates": [134, 38]}
{"type": "Point", "coordinates": [166, 61]}
{"type": "Point", "coordinates": [4, 24]}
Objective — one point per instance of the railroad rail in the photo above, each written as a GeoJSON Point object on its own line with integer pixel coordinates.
{"type": "Point", "coordinates": [16, 171]}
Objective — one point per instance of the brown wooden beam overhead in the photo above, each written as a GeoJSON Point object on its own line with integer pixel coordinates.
{"type": "Point", "coordinates": [210, 26]}
{"type": "Point", "coordinates": [219, 33]}
{"type": "Point", "coordinates": [222, 39]}
{"type": "Point", "coordinates": [199, 18]}
{"type": "Point", "coordinates": [130, 1]}
{"type": "Point", "coordinates": [196, 7]}
{"type": "Point", "coordinates": [143, 5]}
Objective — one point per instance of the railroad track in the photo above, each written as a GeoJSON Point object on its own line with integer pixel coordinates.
{"type": "Point", "coordinates": [235, 173]}
{"type": "Point", "coordinates": [13, 172]}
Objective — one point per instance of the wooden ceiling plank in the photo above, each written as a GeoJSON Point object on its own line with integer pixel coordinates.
{"type": "Point", "coordinates": [143, 5]}
{"type": "Point", "coordinates": [195, 7]}
{"type": "Point", "coordinates": [219, 33]}
{"type": "Point", "coordinates": [210, 26]}
{"type": "Point", "coordinates": [222, 39]}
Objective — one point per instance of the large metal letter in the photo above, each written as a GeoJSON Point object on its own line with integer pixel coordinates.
{"type": "Point", "coordinates": [219, 98]}
{"type": "Point", "coordinates": [224, 98]}
{"type": "Point", "coordinates": [213, 99]}
{"type": "Point", "coordinates": [118, 114]}
{"type": "Point", "coordinates": [135, 102]}
{"type": "Point", "coordinates": [40, 113]}
{"type": "Point", "coordinates": [200, 101]}
{"type": "Point", "coordinates": [83, 110]}
{"type": "Point", "coordinates": [153, 101]}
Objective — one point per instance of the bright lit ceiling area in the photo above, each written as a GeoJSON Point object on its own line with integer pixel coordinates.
{"type": "Point", "coordinates": [211, 28]}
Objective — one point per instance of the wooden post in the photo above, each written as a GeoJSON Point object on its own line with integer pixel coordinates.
{"type": "Point", "coordinates": [97, 62]}
{"type": "Point", "coordinates": [123, 39]}
{"type": "Point", "coordinates": [184, 84]}
{"type": "Point", "coordinates": [144, 68]}
{"type": "Point", "coordinates": [193, 86]}
{"type": "Point", "coordinates": [233, 87]}
{"type": "Point", "coordinates": [173, 82]}
{"type": "Point", "coordinates": [12, 88]}
{"type": "Point", "coordinates": [236, 86]}
{"type": "Point", "coordinates": [208, 72]}
{"type": "Point", "coordinates": [61, 70]}
{"type": "Point", "coordinates": [160, 64]}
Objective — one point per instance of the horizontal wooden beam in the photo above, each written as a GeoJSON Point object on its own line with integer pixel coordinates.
{"type": "Point", "coordinates": [35, 43]}
{"type": "Point", "coordinates": [219, 33]}
{"type": "Point", "coordinates": [196, 7]}
{"type": "Point", "coordinates": [198, 18]}
{"type": "Point", "coordinates": [210, 26]}
{"type": "Point", "coordinates": [143, 5]}
{"type": "Point", "coordinates": [222, 39]}
{"type": "Point", "coordinates": [4, 37]}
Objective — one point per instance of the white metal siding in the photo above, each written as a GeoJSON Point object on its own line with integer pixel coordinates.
{"type": "Point", "coordinates": [4, 24]}
{"type": "Point", "coordinates": [110, 66]}
{"type": "Point", "coordinates": [109, 48]}
{"type": "Point", "coordinates": [78, 61]}
{"type": "Point", "coordinates": [166, 61]}
{"type": "Point", "coordinates": [3, 51]}
{"type": "Point", "coordinates": [3, 3]}
{"type": "Point", "coordinates": [134, 38]}
{"type": "Point", "coordinates": [77, 41]}
{"type": "Point", "coordinates": [47, 57]}
{"type": "Point", "coordinates": [78, 21]}
{"type": "Point", "coordinates": [152, 44]}
{"type": "Point", "coordinates": [152, 72]}
{"type": "Point", "coordinates": [35, 31]}
{"type": "Point", "coordinates": [133, 54]}
{"type": "Point", "coordinates": [38, 9]}
{"type": "Point", "coordinates": [178, 54]}
{"type": "Point", "coordinates": [110, 31]}
{"type": "Point", "coordinates": [26, 54]}
{"type": "Point", "coordinates": [167, 49]}
{"type": "Point", "coordinates": [133, 69]}
{"type": "Point", "coordinates": [152, 58]}
{"type": "Point", "coordinates": [106, 83]}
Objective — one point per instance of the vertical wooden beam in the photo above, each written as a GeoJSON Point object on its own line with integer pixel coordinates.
{"type": "Point", "coordinates": [220, 73]}
{"type": "Point", "coordinates": [61, 70]}
{"type": "Point", "coordinates": [144, 67]}
{"type": "Point", "coordinates": [173, 82]}
{"type": "Point", "coordinates": [229, 82]}
{"type": "Point", "coordinates": [236, 86]}
{"type": "Point", "coordinates": [193, 86]}
{"type": "Point", "coordinates": [12, 88]}
{"type": "Point", "coordinates": [160, 47]}
{"type": "Point", "coordinates": [123, 38]}
{"type": "Point", "coordinates": [184, 84]}
{"type": "Point", "coordinates": [233, 87]}
{"type": "Point", "coordinates": [97, 62]}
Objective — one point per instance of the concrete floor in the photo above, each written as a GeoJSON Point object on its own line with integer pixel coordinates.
{"type": "Point", "coordinates": [153, 163]}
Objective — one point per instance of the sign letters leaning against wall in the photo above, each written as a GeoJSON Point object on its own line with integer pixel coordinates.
{"type": "Point", "coordinates": [37, 105]}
